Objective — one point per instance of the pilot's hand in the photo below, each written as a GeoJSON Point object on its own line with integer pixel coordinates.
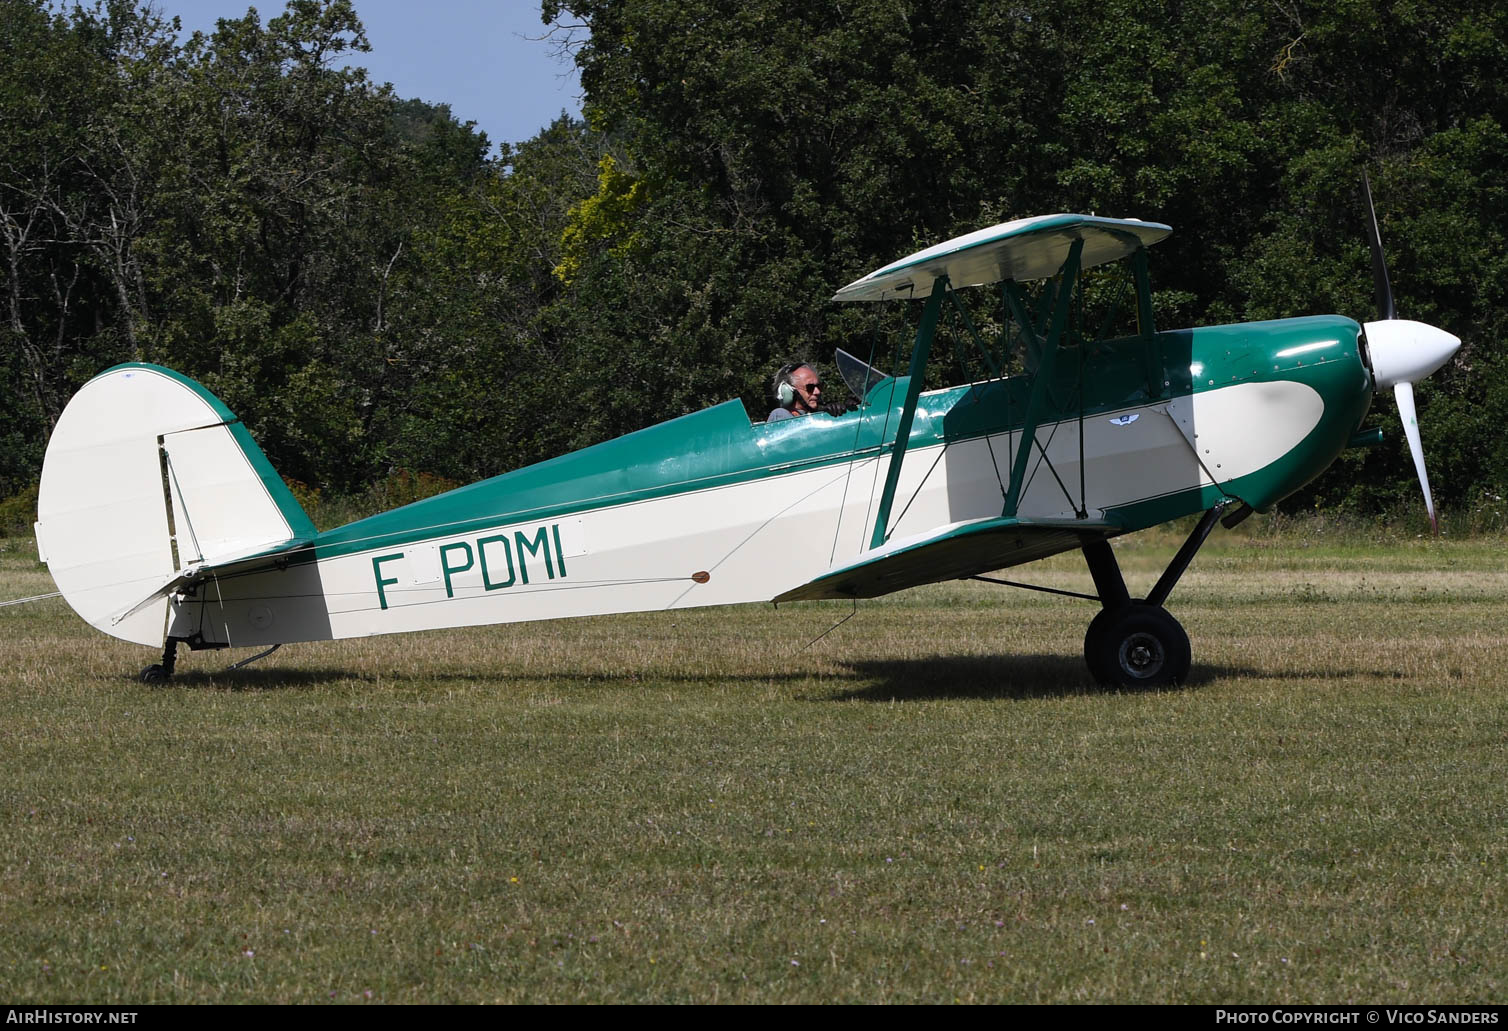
{"type": "Point", "coordinates": [838, 407]}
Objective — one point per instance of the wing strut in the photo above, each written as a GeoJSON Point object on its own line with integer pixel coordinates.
{"type": "Point", "coordinates": [968, 324]}
{"type": "Point", "coordinates": [919, 352]}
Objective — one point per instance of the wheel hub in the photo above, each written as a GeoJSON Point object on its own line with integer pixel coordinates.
{"type": "Point", "coordinates": [1142, 655]}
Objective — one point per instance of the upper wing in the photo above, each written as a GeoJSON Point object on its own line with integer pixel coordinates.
{"type": "Point", "coordinates": [950, 553]}
{"type": "Point", "coordinates": [1023, 250]}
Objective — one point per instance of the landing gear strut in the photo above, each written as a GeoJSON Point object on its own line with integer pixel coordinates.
{"type": "Point", "coordinates": [1136, 642]}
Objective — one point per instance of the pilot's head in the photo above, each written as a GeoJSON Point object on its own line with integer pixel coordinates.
{"type": "Point", "coordinates": [797, 388]}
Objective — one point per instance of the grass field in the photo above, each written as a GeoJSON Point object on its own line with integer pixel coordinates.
{"type": "Point", "coordinates": [931, 804]}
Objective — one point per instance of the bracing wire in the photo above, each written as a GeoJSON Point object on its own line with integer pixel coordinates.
{"type": "Point", "coordinates": [34, 597]}
{"type": "Point", "coordinates": [854, 612]}
{"type": "Point", "coordinates": [858, 429]}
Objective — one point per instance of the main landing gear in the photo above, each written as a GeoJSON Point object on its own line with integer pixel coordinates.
{"type": "Point", "coordinates": [1136, 642]}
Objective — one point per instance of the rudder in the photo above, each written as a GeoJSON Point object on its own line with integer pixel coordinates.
{"type": "Point", "coordinates": [147, 473]}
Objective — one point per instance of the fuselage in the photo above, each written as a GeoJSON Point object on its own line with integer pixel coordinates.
{"type": "Point", "coordinates": [710, 509]}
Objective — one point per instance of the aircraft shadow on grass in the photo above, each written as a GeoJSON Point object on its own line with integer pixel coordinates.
{"type": "Point", "coordinates": [268, 679]}
{"type": "Point", "coordinates": [1012, 677]}
{"type": "Point", "coordinates": [1021, 677]}
{"type": "Point", "coordinates": [273, 679]}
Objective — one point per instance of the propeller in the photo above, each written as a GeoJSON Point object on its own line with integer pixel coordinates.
{"type": "Point", "coordinates": [1403, 352]}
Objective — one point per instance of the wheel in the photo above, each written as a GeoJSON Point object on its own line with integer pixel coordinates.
{"type": "Point", "coordinates": [1137, 646]}
{"type": "Point", "coordinates": [154, 674]}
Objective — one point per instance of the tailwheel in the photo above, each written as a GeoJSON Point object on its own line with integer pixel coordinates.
{"type": "Point", "coordinates": [161, 673]}
{"type": "Point", "coordinates": [1137, 645]}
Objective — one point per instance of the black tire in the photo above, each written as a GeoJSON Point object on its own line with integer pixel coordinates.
{"type": "Point", "coordinates": [1137, 646]}
{"type": "Point", "coordinates": [154, 674]}
{"type": "Point", "coordinates": [1094, 652]}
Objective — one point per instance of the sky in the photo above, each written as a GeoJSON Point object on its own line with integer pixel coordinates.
{"type": "Point", "coordinates": [475, 55]}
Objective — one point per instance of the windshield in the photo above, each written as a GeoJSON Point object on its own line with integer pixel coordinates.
{"type": "Point", "coordinates": [860, 376]}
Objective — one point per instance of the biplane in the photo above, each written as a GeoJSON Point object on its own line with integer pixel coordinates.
{"type": "Point", "coordinates": [163, 523]}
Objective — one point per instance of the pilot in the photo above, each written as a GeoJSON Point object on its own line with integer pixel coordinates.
{"type": "Point", "coordinates": [798, 390]}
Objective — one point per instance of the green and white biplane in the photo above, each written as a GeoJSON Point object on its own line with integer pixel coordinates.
{"type": "Point", "coordinates": [163, 523]}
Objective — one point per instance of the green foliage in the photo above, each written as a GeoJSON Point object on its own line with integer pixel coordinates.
{"type": "Point", "coordinates": [603, 220]}
{"type": "Point", "coordinates": [372, 292]}
{"type": "Point", "coordinates": [18, 512]}
{"type": "Point", "coordinates": [402, 487]}
{"type": "Point", "coordinates": [813, 142]}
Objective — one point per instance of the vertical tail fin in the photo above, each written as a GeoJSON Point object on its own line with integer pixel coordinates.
{"type": "Point", "coordinates": [146, 474]}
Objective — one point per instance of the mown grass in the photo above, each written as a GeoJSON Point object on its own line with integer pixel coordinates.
{"type": "Point", "coordinates": [931, 804]}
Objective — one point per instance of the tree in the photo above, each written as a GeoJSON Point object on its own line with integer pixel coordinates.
{"type": "Point", "coordinates": [813, 142]}
{"type": "Point", "coordinates": [353, 274]}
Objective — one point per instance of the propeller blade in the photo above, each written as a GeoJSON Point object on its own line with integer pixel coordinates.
{"type": "Point", "coordinates": [1385, 309]}
{"type": "Point", "coordinates": [1402, 352]}
{"type": "Point", "coordinates": [1403, 393]}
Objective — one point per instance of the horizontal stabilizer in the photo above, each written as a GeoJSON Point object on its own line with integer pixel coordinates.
{"type": "Point", "coordinates": [950, 553]}
{"type": "Point", "coordinates": [227, 563]}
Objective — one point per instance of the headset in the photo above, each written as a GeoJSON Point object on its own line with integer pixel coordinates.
{"type": "Point", "coordinates": [785, 393]}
